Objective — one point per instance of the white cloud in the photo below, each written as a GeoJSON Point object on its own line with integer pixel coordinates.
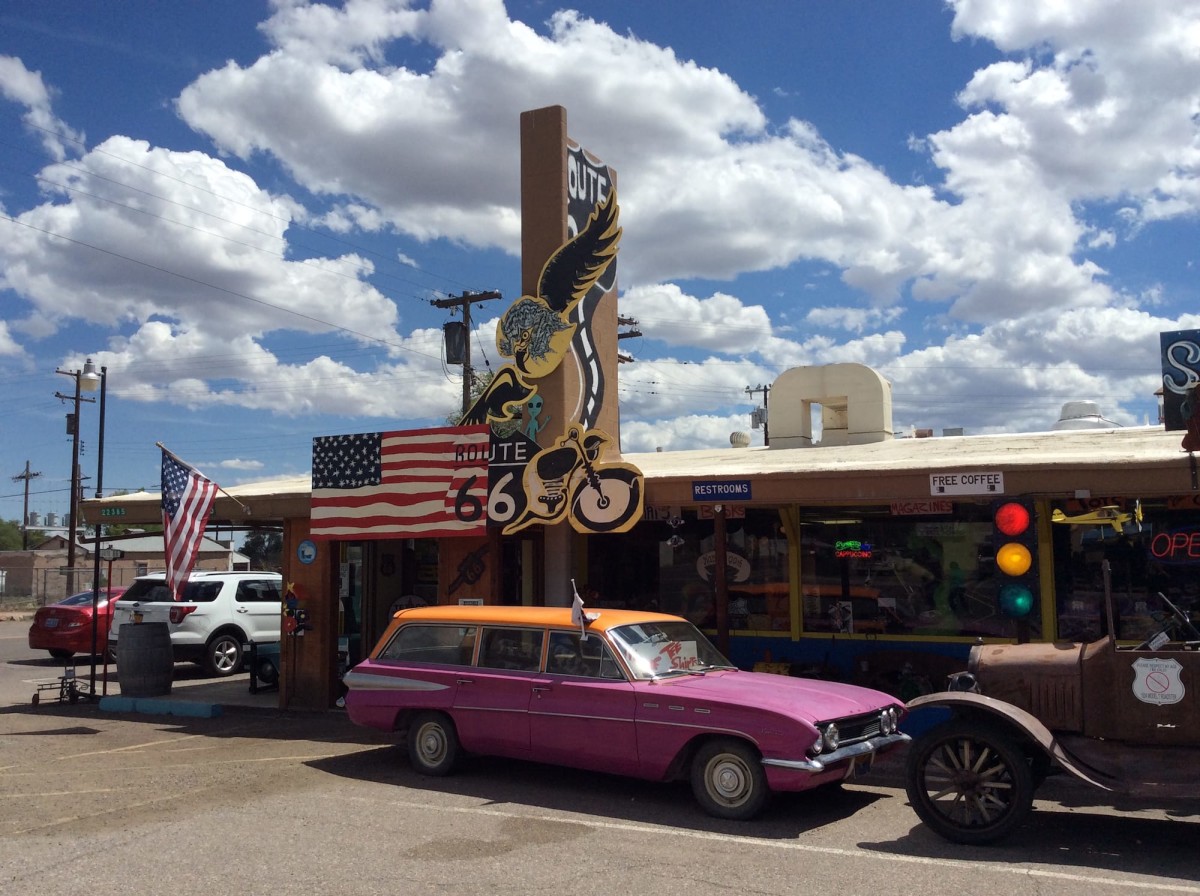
{"type": "Point", "coordinates": [237, 463]}
{"type": "Point", "coordinates": [22, 86]}
{"type": "Point", "coordinates": [8, 345]}
{"type": "Point", "coordinates": [720, 322]}
{"type": "Point", "coordinates": [160, 363]}
{"type": "Point", "coordinates": [1091, 109]}
{"type": "Point", "coordinates": [853, 319]}
{"type": "Point", "coordinates": [140, 234]}
{"type": "Point", "coordinates": [687, 431]}
{"type": "Point", "coordinates": [706, 190]}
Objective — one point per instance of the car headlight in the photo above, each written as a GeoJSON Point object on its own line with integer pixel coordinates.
{"type": "Point", "coordinates": [829, 737]}
{"type": "Point", "coordinates": [887, 721]}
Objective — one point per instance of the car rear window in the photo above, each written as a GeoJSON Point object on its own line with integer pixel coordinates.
{"type": "Point", "coordinates": [155, 590]}
{"type": "Point", "coordinates": [447, 644]}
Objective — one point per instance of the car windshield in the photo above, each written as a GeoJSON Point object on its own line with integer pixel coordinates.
{"type": "Point", "coordinates": [658, 649]}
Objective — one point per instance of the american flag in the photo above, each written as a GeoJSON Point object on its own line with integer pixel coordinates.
{"type": "Point", "coordinates": [187, 499]}
{"type": "Point", "coordinates": [421, 483]}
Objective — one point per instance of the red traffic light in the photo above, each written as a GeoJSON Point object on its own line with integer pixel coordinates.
{"type": "Point", "coordinates": [1011, 518]}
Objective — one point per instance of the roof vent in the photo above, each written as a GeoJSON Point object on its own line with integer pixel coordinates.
{"type": "Point", "coordinates": [739, 439]}
{"type": "Point", "coordinates": [1082, 415]}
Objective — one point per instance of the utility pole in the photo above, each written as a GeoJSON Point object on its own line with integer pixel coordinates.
{"type": "Point", "coordinates": [90, 378]}
{"type": "Point", "coordinates": [465, 301]}
{"type": "Point", "coordinates": [623, 321]}
{"type": "Point", "coordinates": [27, 475]}
{"type": "Point", "coordinates": [756, 417]}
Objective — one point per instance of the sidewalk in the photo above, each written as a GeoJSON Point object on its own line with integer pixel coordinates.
{"type": "Point", "coordinates": [192, 693]}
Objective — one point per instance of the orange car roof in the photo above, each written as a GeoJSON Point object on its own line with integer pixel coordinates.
{"type": "Point", "coordinates": [496, 614]}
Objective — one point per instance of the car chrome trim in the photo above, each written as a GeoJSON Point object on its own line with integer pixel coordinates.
{"type": "Point", "coordinates": [363, 681]}
{"type": "Point", "coordinates": [848, 752]}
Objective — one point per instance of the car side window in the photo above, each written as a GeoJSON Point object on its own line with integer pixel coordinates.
{"type": "Point", "coordinates": [204, 592]}
{"type": "Point", "coordinates": [511, 648]}
{"type": "Point", "coordinates": [569, 654]}
{"type": "Point", "coordinates": [251, 591]}
{"type": "Point", "coordinates": [420, 643]}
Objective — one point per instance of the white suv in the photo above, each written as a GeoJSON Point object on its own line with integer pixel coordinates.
{"type": "Point", "coordinates": [219, 613]}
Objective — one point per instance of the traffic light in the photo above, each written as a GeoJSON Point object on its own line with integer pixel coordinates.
{"type": "Point", "coordinates": [1014, 536]}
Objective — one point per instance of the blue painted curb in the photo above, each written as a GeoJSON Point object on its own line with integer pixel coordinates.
{"type": "Point", "coordinates": [161, 707]}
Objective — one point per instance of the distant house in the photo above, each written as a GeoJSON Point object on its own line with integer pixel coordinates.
{"type": "Point", "coordinates": [40, 573]}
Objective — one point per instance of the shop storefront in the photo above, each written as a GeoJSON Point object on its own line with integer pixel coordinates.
{"type": "Point", "coordinates": [871, 590]}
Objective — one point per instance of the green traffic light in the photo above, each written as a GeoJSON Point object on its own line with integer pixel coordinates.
{"type": "Point", "coordinates": [1016, 601]}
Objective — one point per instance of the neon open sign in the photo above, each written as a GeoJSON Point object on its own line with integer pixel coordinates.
{"type": "Point", "coordinates": [1179, 546]}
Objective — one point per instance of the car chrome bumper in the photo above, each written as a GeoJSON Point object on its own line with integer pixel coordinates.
{"type": "Point", "coordinates": [826, 760]}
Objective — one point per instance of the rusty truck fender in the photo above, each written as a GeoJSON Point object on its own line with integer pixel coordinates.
{"type": "Point", "coordinates": [1024, 723]}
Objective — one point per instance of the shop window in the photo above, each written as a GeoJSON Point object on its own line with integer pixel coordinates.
{"type": "Point", "coordinates": [668, 565]}
{"type": "Point", "coordinates": [1151, 547]}
{"type": "Point", "coordinates": [756, 571]}
{"type": "Point", "coordinates": [865, 571]}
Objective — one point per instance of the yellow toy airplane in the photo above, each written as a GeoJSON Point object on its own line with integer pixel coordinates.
{"type": "Point", "coordinates": [1110, 514]}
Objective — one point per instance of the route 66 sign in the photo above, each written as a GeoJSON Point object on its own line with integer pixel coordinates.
{"type": "Point", "coordinates": [1157, 681]}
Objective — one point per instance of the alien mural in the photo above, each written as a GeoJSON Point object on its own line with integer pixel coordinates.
{"type": "Point", "coordinates": [570, 479]}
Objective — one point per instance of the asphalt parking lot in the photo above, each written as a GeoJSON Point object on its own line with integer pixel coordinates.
{"type": "Point", "coordinates": [260, 800]}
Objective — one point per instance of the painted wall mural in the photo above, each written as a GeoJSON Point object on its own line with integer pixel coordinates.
{"type": "Point", "coordinates": [570, 480]}
{"type": "Point", "coordinates": [428, 483]}
{"type": "Point", "coordinates": [589, 183]}
{"type": "Point", "coordinates": [457, 481]}
{"type": "Point", "coordinates": [536, 332]}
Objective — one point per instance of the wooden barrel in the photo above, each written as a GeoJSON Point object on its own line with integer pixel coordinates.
{"type": "Point", "coordinates": [145, 661]}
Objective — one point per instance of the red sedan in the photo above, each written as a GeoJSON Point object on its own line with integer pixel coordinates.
{"type": "Point", "coordinates": [65, 628]}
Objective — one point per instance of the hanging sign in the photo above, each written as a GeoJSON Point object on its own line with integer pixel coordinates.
{"type": "Point", "coordinates": [967, 482]}
{"type": "Point", "coordinates": [721, 490]}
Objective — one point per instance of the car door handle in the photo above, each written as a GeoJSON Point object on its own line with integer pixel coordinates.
{"type": "Point", "coordinates": [464, 681]}
{"type": "Point", "coordinates": [243, 609]}
{"type": "Point", "coordinates": [537, 689]}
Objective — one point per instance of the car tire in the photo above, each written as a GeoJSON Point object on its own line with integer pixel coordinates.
{"type": "Point", "coordinates": [223, 655]}
{"type": "Point", "coordinates": [267, 672]}
{"type": "Point", "coordinates": [59, 654]}
{"type": "Point", "coordinates": [970, 782]}
{"type": "Point", "coordinates": [728, 780]}
{"type": "Point", "coordinates": [433, 747]}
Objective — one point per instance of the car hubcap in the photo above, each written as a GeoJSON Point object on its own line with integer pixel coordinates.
{"type": "Point", "coordinates": [432, 744]}
{"type": "Point", "coordinates": [728, 779]}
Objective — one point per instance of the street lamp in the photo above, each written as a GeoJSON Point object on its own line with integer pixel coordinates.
{"type": "Point", "coordinates": [89, 373]}
{"type": "Point", "coordinates": [85, 379]}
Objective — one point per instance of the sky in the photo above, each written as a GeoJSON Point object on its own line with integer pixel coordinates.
{"type": "Point", "coordinates": [244, 210]}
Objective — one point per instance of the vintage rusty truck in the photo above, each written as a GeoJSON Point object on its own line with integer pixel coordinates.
{"type": "Point", "coordinates": [1123, 717]}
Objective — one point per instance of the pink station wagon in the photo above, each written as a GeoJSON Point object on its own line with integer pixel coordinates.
{"type": "Point", "coordinates": [630, 693]}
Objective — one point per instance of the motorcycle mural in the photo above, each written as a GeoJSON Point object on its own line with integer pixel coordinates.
{"type": "Point", "coordinates": [570, 480]}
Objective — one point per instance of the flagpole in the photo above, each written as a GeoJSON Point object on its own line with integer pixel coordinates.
{"type": "Point", "coordinates": [180, 460]}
